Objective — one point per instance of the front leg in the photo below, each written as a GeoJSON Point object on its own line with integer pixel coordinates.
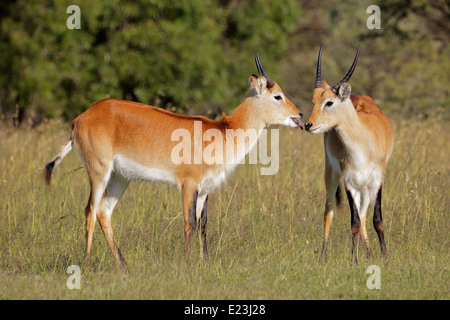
{"type": "Point", "coordinates": [355, 223]}
{"type": "Point", "coordinates": [332, 183]}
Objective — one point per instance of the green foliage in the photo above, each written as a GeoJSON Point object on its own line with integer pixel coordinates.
{"type": "Point", "coordinates": [409, 57]}
{"type": "Point", "coordinates": [195, 56]}
{"type": "Point", "coordinates": [185, 56]}
{"type": "Point", "coordinates": [404, 65]}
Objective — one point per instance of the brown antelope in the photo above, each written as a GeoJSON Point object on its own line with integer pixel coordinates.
{"type": "Point", "coordinates": [358, 141]}
{"type": "Point", "coordinates": [120, 141]}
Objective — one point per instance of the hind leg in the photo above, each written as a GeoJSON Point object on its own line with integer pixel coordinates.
{"type": "Point", "coordinates": [90, 225]}
{"type": "Point", "coordinates": [365, 202]}
{"type": "Point", "coordinates": [364, 237]}
{"type": "Point", "coordinates": [359, 202]}
{"type": "Point", "coordinates": [378, 222]}
{"type": "Point", "coordinates": [98, 185]}
{"type": "Point", "coordinates": [189, 194]}
{"type": "Point", "coordinates": [114, 191]}
{"type": "Point", "coordinates": [202, 204]}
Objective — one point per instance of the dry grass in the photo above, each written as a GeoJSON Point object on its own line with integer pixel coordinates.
{"type": "Point", "coordinates": [264, 232]}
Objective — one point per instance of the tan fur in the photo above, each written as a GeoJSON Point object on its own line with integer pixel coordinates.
{"type": "Point", "coordinates": [142, 134]}
{"type": "Point", "coordinates": [367, 126]}
{"type": "Point", "coordinates": [358, 137]}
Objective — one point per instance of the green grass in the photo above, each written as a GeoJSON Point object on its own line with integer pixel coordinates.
{"type": "Point", "coordinates": [264, 232]}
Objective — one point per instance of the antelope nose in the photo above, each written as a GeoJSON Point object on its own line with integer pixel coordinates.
{"type": "Point", "coordinates": [300, 114]}
{"type": "Point", "coordinates": [308, 126]}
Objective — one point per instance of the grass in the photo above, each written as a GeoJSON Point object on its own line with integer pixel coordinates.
{"type": "Point", "coordinates": [264, 232]}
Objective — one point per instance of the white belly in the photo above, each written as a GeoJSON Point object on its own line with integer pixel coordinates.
{"type": "Point", "coordinates": [132, 170]}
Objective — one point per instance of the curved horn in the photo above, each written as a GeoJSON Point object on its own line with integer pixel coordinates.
{"type": "Point", "coordinates": [263, 72]}
{"type": "Point", "coordinates": [319, 70]}
{"type": "Point", "coordinates": [335, 88]}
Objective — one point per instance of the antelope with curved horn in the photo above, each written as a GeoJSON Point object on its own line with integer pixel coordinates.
{"type": "Point", "coordinates": [358, 141]}
{"type": "Point", "coordinates": [120, 141]}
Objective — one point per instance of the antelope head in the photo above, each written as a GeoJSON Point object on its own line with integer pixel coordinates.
{"type": "Point", "coordinates": [274, 106]}
{"type": "Point", "coordinates": [330, 103]}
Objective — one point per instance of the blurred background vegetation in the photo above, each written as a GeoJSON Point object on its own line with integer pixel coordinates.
{"type": "Point", "coordinates": [195, 56]}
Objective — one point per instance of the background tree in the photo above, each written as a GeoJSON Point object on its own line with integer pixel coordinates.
{"type": "Point", "coordinates": [194, 56]}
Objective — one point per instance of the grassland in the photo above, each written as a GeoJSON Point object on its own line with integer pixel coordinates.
{"type": "Point", "coordinates": [264, 232]}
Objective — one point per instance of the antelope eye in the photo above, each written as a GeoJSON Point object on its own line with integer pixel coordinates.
{"type": "Point", "coordinates": [277, 97]}
{"type": "Point", "coordinates": [329, 104]}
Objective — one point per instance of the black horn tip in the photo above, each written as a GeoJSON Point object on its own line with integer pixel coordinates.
{"type": "Point", "coordinates": [258, 64]}
{"type": "Point", "coordinates": [318, 83]}
{"type": "Point", "coordinates": [263, 72]}
{"type": "Point", "coordinates": [347, 77]}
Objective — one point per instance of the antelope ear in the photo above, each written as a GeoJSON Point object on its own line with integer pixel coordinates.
{"type": "Point", "coordinates": [261, 85]}
{"type": "Point", "coordinates": [344, 91]}
{"type": "Point", "coordinates": [252, 80]}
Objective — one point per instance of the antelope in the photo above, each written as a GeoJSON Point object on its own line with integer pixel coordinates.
{"type": "Point", "coordinates": [120, 141]}
{"type": "Point", "coordinates": [358, 141]}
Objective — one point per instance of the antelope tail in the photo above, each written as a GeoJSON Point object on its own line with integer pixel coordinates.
{"type": "Point", "coordinates": [56, 161]}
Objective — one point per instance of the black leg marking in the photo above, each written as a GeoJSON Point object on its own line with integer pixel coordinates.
{"type": "Point", "coordinates": [355, 224]}
{"type": "Point", "coordinates": [338, 196]}
{"type": "Point", "coordinates": [193, 212]}
{"type": "Point", "coordinates": [204, 215]}
{"type": "Point", "coordinates": [123, 263]}
{"type": "Point", "coordinates": [191, 221]}
{"type": "Point", "coordinates": [201, 227]}
{"type": "Point", "coordinates": [203, 220]}
{"type": "Point", "coordinates": [378, 221]}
